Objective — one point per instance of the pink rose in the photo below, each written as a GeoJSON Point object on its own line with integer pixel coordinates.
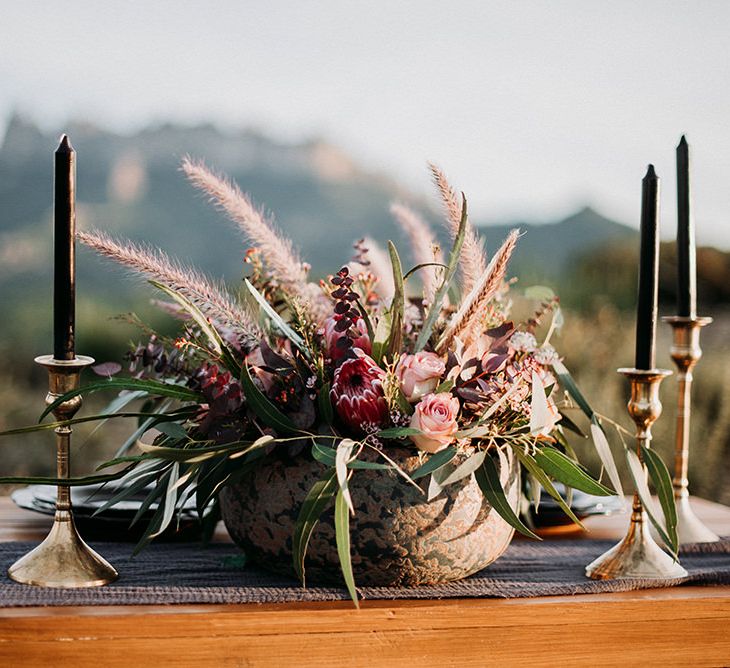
{"type": "Point", "coordinates": [435, 417]}
{"type": "Point", "coordinates": [419, 374]}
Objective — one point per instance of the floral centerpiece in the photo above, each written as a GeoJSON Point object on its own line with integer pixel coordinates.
{"type": "Point", "coordinates": [405, 395]}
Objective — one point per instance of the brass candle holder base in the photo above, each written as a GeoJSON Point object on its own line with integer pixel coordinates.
{"type": "Point", "coordinates": [63, 559]}
{"type": "Point", "coordinates": [686, 352]}
{"type": "Point", "coordinates": [638, 555]}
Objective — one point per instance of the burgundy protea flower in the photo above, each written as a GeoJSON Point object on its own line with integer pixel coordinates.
{"type": "Point", "coordinates": [357, 394]}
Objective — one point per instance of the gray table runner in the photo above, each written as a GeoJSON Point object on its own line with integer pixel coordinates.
{"type": "Point", "coordinates": [189, 573]}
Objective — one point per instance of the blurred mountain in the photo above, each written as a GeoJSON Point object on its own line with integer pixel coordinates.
{"type": "Point", "coordinates": [130, 185]}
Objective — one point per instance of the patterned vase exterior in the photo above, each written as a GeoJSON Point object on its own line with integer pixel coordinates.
{"type": "Point", "coordinates": [398, 538]}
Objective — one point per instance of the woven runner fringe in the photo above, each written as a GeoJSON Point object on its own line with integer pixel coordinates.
{"type": "Point", "coordinates": [186, 573]}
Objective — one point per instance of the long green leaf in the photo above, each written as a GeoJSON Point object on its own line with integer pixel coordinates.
{"type": "Point", "coordinates": [277, 320]}
{"type": "Point", "coordinates": [381, 336]}
{"type": "Point", "coordinates": [600, 443]}
{"type": "Point", "coordinates": [217, 344]}
{"type": "Point", "coordinates": [264, 409]}
{"type": "Point", "coordinates": [314, 504]}
{"type": "Point", "coordinates": [466, 468]}
{"type": "Point", "coordinates": [564, 469]}
{"type": "Point", "coordinates": [659, 475]}
{"type": "Point", "coordinates": [324, 404]}
{"type": "Point", "coordinates": [342, 456]}
{"type": "Point", "coordinates": [398, 432]}
{"type": "Point", "coordinates": [642, 488]}
{"type": "Point", "coordinates": [397, 306]}
{"type": "Point", "coordinates": [487, 477]}
{"type": "Point", "coordinates": [434, 462]}
{"type": "Point", "coordinates": [169, 500]}
{"type": "Point", "coordinates": [423, 265]}
{"type": "Point", "coordinates": [326, 455]}
{"type": "Point", "coordinates": [342, 538]}
{"type": "Point", "coordinates": [567, 381]}
{"type": "Point", "coordinates": [71, 482]}
{"type": "Point", "coordinates": [46, 426]}
{"type": "Point", "coordinates": [435, 310]}
{"type": "Point", "coordinates": [200, 320]}
{"type": "Point", "coordinates": [540, 477]}
{"type": "Point", "coordinates": [149, 386]}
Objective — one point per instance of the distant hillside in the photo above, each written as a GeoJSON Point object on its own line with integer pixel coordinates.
{"type": "Point", "coordinates": [131, 186]}
{"type": "Point", "coordinates": [548, 251]}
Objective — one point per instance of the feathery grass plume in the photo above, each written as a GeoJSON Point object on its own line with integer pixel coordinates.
{"type": "Point", "coordinates": [277, 251]}
{"type": "Point", "coordinates": [473, 262]}
{"type": "Point", "coordinates": [381, 268]}
{"type": "Point", "coordinates": [423, 244]}
{"type": "Point", "coordinates": [212, 300]}
{"type": "Point", "coordinates": [464, 323]}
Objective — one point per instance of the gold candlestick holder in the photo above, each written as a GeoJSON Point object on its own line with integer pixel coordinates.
{"type": "Point", "coordinates": [63, 559]}
{"type": "Point", "coordinates": [686, 352]}
{"type": "Point", "coordinates": [638, 555]}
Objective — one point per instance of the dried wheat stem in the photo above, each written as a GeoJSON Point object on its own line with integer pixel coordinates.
{"type": "Point", "coordinates": [472, 262]}
{"type": "Point", "coordinates": [423, 244]}
{"type": "Point", "coordinates": [211, 299]}
{"type": "Point", "coordinates": [465, 322]}
{"type": "Point", "coordinates": [278, 253]}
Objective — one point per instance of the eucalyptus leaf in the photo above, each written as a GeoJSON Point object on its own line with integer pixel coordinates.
{"type": "Point", "coordinates": [487, 477]}
{"type": "Point", "coordinates": [326, 455]}
{"type": "Point", "coordinates": [540, 418]}
{"type": "Point", "coordinates": [564, 469]}
{"type": "Point", "coordinates": [397, 306]}
{"type": "Point", "coordinates": [173, 430]}
{"type": "Point", "coordinates": [154, 387]}
{"type": "Point", "coordinates": [567, 381]}
{"type": "Point", "coordinates": [264, 409]}
{"type": "Point", "coordinates": [324, 404]}
{"type": "Point", "coordinates": [381, 336]}
{"type": "Point", "coordinates": [536, 472]}
{"type": "Point", "coordinates": [318, 498]}
{"type": "Point", "coordinates": [662, 480]}
{"type": "Point", "coordinates": [466, 468]}
{"type": "Point", "coordinates": [277, 320]}
{"type": "Point", "coordinates": [342, 538]}
{"type": "Point", "coordinates": [652, 510]}
{"type": "Point", "coordinates": [420, 266]}
{"type": "Point", "coordinates": [398, 432]}
{"type": "Point", "coordinates": [342, 457]}
{"type": "Point", "coordinates": [600, 442]}
{"type": "Point", "coordinates": [434, 462]}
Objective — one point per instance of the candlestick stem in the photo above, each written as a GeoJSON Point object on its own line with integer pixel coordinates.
{"type": "Point", "coordinates": [63, 559]}
{"type": "Point", "coordinates": [638, 555]}
{"type": "Point", "coordinates": [686, 352]}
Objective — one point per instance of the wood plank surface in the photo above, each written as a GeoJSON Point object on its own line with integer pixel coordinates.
{"type": "Point", "coordinates": [664, 627]}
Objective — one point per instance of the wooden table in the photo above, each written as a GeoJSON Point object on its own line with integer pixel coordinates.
{"type": "Point", "coordinates": [666, 627]}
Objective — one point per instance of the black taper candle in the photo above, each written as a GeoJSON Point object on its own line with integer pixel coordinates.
{"type": "Point", "coordinates": [64, 246]}
{"type": "Point", "coordinates": [686, 260]}
{"type": "Point", "coordinates": [646, 312]}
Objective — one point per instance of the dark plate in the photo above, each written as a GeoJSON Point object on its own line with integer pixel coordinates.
{"type": "Point", "coordinates": [584, 505]}
{"type": "Point", "coordinates": [113, 523]}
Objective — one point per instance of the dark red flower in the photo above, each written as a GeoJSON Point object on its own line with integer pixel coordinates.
{"type": "Point", "coordinates": [357, 394]}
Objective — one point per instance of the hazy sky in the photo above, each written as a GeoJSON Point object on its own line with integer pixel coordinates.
{"type": "Point", "coordinates": [533, 108]}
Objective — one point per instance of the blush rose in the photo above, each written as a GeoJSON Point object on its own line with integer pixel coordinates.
{"type": "Point", "coordinates": [435, 417]}
{"type": "Point", "coordinates": [419, 374]}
